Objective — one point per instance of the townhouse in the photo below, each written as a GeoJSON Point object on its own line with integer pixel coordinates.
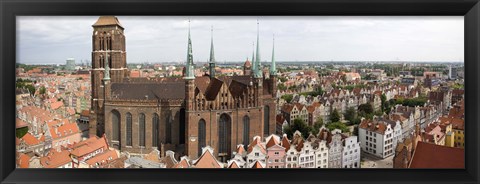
{"type": "Point", "coordinates": [379, 137]}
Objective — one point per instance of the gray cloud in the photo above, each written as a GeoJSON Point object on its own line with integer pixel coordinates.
{"type": "Point", "coordinates": [52, 39]}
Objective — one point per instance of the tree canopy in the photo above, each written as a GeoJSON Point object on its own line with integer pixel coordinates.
{"type": "Point", "coordinates": [300, 125]}
{"type": "Point", "coordinates": [338, 125]}
{"type": "Point", "coordinates": [288, 97]}
{"type": "Point", "coordinates": [334, 116]}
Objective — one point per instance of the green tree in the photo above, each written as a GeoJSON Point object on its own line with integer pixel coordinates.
{"type": "Point", "coordinates": [384, 100]}
{"type": "Point", "coordinates": [20, 84]}
{"type": "Point", "coordinates": [365, 108]}
{"type": "Point", "coordinates": [30, 88]}
{"type": "Point", "coordinates": [19, 133]}
{"type": "Point", "coordinates": [317, 125]}
{"type": "Point", "coordinates": [338, 125]}
{"type": "Point", "coordinates": [334, 116]}
{"type": "Point", "coordinates": [350, 115]}
{"type": "Point", "coordinates": [282, 87]}
{"type": "Point", "coordinates": [288, 97]}
{"type": "Point", "coordinates": [43, 90]}
{"type": "Point", "coordinates": [300, 125]}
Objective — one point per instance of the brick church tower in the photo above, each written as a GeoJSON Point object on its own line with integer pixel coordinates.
{"type": "Point", "coordinates": [108, 56]}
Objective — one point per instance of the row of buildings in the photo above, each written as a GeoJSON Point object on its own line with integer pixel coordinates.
{"type": "Point", "coordinates": [328, 149]}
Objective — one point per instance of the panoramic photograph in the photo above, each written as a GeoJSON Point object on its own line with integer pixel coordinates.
{"type": "Point", "coordinates": [228, 92]}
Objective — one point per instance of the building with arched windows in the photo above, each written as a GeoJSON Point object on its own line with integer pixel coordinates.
{"type": "Point", "coordinates": [179, 114]}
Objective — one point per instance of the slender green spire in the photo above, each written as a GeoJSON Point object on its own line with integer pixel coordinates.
{"type": "Point", "coordinates": [273, 68]}
{"type": "Point", "coordinates": [253, 52]}
{"type": "Point", "coordinates": [211, 62]}
{"type": "Point", "coordinates": [212, 55]}
{"type": "Point", "coordinates": [254, 66]}
{"type": "Point", "coordinates": [258, 67]}
{"type": "Point", "coordinates": [189, 66]}
{"type": "Point", "coordinates": [107, 68]}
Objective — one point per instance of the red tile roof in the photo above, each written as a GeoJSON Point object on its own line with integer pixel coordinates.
{"type": "Point", "coordinates": [85, 113]}
{"type": "Point", "coordinates": [272, 142]}
{"type": "Point", "coordinates": [233, 165]}
{"type": "Point", "coordinates": [428, 155]}
{"type": "Point", "coordinates": [373, 126]}
{"type": "Point", "coordinates": [457, 123]}
{"type": "Point", "coordinates": [56, 159]}
{"type": "Point", "coordinates": [23, 161]}
{"type": "Point", "coordinates": [102, 158]}
{"type": "Point", "coordinates": [134, 73]}
{"type": "Point", "coordinates": [64, 128]}
{"type": "Point", "coordinates": [207, 160]}
{"type": "Point", "coordinates": [56, 105]}
{"type": "Point", "coordinates": [285, 142]}
{"type": "Point", "coordinates": [257, 165]}
{"type": "Point", "coordinates": [20, 123]}
{"type": "Point", "coordinates": [89, 145]}
{"type": "Point", "coordinates": [30, 139]}
{"type": "Point", "coordinates": [255, 142]}
{"type": "Point", "coordinates": [182, 164]}
{"type": "Point", "coordinates": [240, 149]}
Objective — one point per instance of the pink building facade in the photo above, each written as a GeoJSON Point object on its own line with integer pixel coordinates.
{"type": "Point", "coordinates": [275, 156]}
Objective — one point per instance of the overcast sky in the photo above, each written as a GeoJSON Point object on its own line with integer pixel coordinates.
{"type": "Point", "coordinates": [53, 39]}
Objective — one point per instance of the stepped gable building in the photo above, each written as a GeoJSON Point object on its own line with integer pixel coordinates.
{"type": "Point", "coordinates": [182, 114]}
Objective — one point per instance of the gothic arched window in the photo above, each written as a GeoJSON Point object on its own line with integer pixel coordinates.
{"type": "Point", "coordinates": [202, 134]}
{"type": "Point", "coordinates": [115, 125]}
{"type": "Point", "coordinates": [224, 134]}
{"type": "Point", "coordinates": [266, 120]}
{"type": "Point", "coordinates": [101, 42]}
{"type": "Point", "coordinates": [141, 129]}
{"type": "Point", "coordinates": [101, 62]}
{"type": "Point", "coordinates": [246, 131]}
{"type": "Point", "coordinates": [168, 130]}
{"type": "Point", "coordinates": [109, 43]}
{"type": "Point", "coordinates": [155, 128]}
{"type": "Point", "coordinates": [181, 127]}
{"type": "Point", "coordinates": [129, 129]}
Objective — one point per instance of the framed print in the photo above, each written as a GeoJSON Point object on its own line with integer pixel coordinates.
{"type": "Point", "coordinates": [249, 91]}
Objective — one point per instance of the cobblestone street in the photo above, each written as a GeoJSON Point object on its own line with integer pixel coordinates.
{"type": "Point", "coordinates": [369, 161]}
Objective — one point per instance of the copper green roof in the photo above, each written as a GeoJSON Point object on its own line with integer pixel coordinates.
{"type": "Point", "coordinates": [273, 68]}
{"type": "Point", "coordinates": [189, 66]}
{"type": "Point", "coordinates": [258, 69]}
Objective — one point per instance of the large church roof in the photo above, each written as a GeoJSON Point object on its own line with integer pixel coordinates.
{"type": "Point", "coordinates": [143, 91]}
{"type": "Point", "coordinates": [107, 21]}
{"type": "Point", "coordinates": [210, 87]}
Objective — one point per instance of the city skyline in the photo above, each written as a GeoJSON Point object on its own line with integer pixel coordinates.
{"type": "Point", "coordinates": [164, 39]}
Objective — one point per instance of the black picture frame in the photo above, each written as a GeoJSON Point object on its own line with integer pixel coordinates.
{"type": "Point", "coordinates": [9, 9]}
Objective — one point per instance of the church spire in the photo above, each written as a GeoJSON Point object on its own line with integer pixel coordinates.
{"type": "Point", "coordinates": [273, 68]}
{"type": "Point", "coordinates": [254, 66]}
{"type": "Point", "coordinates": [253, 51]}
{"type": "Point", "coordinates": [211, 62]}
{"type": "Point", "coordinates": [189, 65]}
{"type": "Point", "coordinates": [258, 69]}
